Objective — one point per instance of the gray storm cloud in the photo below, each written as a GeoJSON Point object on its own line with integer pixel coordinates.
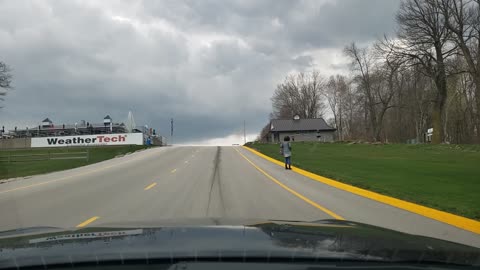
{"type": "Point", "coordinates": [208, 64]}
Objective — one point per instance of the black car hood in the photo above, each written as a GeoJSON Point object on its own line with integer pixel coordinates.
{"type": "Point", "coordinates": [269, 240]}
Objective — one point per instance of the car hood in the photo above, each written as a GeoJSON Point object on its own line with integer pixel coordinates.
{"type": "Point", "coordinates": [217, 239]}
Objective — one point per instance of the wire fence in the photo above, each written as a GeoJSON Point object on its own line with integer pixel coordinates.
{"type": "Point", "coordinates": [14, 156]}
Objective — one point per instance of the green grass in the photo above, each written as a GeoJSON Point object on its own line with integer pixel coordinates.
{"type": "Point", "coordinates": [97, 154]}
{"type": "Point", "coordinates": [445, 177]}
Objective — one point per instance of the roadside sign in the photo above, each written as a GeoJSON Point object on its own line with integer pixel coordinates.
{"type": "Point", "coordinates": [89, 140]}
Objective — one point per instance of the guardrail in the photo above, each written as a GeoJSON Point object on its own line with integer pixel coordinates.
{"type": "Point", "coordinates": [14, 157]}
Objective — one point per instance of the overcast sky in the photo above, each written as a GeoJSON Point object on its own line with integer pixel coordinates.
{"type": "Point", "coordinates": [210, 65]}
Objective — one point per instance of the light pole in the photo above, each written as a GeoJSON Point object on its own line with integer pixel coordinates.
{"type": "Point", "coordinates": [244, 134]}
{"type": "Point", "coordinates": [171, 131]}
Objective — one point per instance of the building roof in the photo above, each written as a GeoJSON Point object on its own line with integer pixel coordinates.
{"type": "Point", "coordinates": [313, 124]}
{"type": "Point", "coordinates": [47, 120]}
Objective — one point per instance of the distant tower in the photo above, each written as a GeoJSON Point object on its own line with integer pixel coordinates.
{"type": "Point", "coordinates": [107, 122]}
{"type": "Point", "coordinates": [130, 124]}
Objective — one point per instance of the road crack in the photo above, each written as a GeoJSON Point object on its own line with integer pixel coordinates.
{"type": "Point", "coordinates": [215, 198]}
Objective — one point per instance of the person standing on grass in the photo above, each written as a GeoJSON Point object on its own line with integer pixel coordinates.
{"type": "Point", "coordinates": [286, 151]}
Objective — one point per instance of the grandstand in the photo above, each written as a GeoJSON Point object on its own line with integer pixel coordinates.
{"type": "Point", "coordinates": [48, 129]}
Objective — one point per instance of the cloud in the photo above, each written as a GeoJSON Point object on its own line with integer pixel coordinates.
{"type": "Point", "coordinates": [210, 65]}
{"type": "Point", "coordinates": [232, 139]}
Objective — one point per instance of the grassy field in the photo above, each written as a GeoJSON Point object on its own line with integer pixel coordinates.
{"type": "Point", "coordinates": [445, 177]}
{"type": "Point", "coordinates": [96, 154]}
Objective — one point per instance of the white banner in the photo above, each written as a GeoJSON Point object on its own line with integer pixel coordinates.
{"type": "Point", "coordinates": [89, 140]}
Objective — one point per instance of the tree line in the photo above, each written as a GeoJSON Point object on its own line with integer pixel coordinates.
{"type": "Point", "coordinates": [426, 76]}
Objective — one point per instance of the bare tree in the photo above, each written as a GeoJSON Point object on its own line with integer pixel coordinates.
{"type": "Point", "coordinates": [420, 93]}
{"type": "Point", "coordinates": [463, 20]}
{"type": "Point", "coordinates": [372, 74]}
{"type": "Point", "coordinates": [425, 76]}
{"type": "Point", "coordinates": [5, 80]}
{"type": "Point", "coordinates": [335, 93]}
{"type": "Point", "coordinates": [313, 85]}
{"type": "Point", "coordinates": [352, 113]}
{"type": "Point", "coordinates": [362, 63]}
{"type": "Point", "coordinates": [299, 95]}
{"type": "Point", "coordinates": [423, 39]}
{"type": "Point", "coordinates": [263, 136]}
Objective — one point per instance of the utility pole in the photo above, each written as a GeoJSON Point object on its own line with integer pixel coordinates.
{"type": "Point", "coordinates": [171, 131]}
{"type": "Point", "coordinates": [244, 134]}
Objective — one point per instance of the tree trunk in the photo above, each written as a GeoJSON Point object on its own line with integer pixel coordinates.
{"type": "Point", "coordinates": [372, 116]}
{"type": "Point", "coordinates": [378, 129]}
{"type": "Point", "coordinates": [366, 121]}
{"type": "Point", "coordinates": [477, 116]}
{"type": "Point", "coordinates": [340, 127]}
{"type": "Point", "coordinates": [476, 80]}
{"type": "Point", "coordinates": [417, 136]}
{"type": "Point", "coordinates": [375, 127]}
{"type": "Point", "coordinates": [438, 113]}
{"type": "Point", "coordinates": [437, 136]}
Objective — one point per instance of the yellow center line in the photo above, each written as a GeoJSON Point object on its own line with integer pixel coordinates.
{"type": "Point", "coordinates": [150, 186]}
{"type": "Point", "coordinates": [305, 199]}
{"type": "Point", "coordinates": [86, 222]}
{"type": "Point", "coordinates": [174, 170]}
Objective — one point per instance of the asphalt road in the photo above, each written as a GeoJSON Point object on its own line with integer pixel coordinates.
{"type": "Point", "coordinates": [190, 183]}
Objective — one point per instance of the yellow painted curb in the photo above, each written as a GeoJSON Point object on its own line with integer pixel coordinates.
{"type": "Point", "coordinates": [300, 196]}
{"type": "Point", "coordinates": [451, 219]}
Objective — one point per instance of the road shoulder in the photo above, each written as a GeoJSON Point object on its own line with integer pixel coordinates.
{"type": "Point", "coordinates": [448, 218]}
